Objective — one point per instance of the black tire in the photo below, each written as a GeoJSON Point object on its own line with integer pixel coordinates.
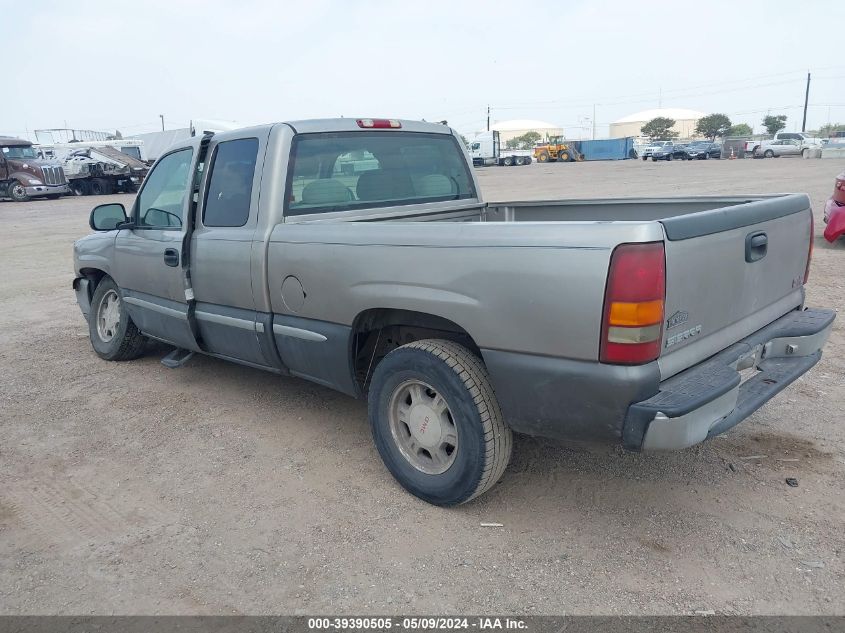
{"type": "Point", "coordinates": [101, 187]}
{"type": "Point", "coordinates": [79, 188]}
{"type": "Point", "coordinates": [768, 154]}
{"type": "Point", "coordinates": [668, 156]}
{"type": "Point", "coordinates": [519, 161]}
{"type": "Point", "coordinates": [484, 442]}
{"type": "Point", "coordinates": [17, 192]}
{"type": "Point", "coordinates": [127, 341]}
{"type": "Point", "coordinates": [645, 157]}
{"type": "Point", "coordinates": [543, 157]}
{"type": "Point", "coordinates": [563, 157]}
{"type": "Point", "coordinates": [508, 161]}
{"type": "Point", "coordinates": [804, 153]}
{"type": "Point", "coordinates": [54, 196]}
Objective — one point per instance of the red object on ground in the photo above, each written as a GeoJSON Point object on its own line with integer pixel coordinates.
{"type": "Point", "coordinates": [834, 211]}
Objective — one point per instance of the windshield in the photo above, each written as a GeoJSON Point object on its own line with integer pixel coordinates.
{"type": "Point", "coordinates": [349, 170]}
{"type": "Point", "coordinates": [19, 151]}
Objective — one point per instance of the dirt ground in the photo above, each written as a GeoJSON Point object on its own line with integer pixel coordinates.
{"type": "Point", "coordinates": [132, 488]}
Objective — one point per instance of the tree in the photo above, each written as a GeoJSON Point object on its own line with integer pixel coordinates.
{"type": "Point", "coordinates": [659, 129]}
{"type": "Point", "coordinates": [773, 123]}
{"type": "Point", "coordinates": [464, 140]}
{"type": "Point", "coordinates": [530, 138]}
{"type": "Point", "coordinates": [713, 125]}
{"type": "Point", "coordinates": [825, 130]}
{"type": "Point", "coordinates": [740, 129]}
{"type": "Point", "coordinates": [525, 141]}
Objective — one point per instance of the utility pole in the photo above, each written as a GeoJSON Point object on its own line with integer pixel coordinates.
{"type": "Point", "coordinates": [488, 117]}
{"type": "Point", "coordinates": [806, 100]}
{"type": "Point", "coordinates": [161, 116]}
{"type": "Point", "coordinates": [594, 121]}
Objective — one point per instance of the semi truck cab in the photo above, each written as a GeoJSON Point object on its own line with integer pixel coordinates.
{"type": "Point", "coordinates": [23, 175]}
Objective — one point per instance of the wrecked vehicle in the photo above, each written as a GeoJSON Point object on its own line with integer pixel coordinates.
{"type": "Point", "coordinates": [102, 171]}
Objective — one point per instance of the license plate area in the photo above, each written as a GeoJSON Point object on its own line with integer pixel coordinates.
{"type": "Point", "coordinates": [746, 365]}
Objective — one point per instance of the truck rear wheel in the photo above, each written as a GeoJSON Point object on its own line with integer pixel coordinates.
{"type": "Point", "coordinates": [101, 187]}
{"type": "Point", "coordinates": [113, 334]}
{"type": "Point", "coordinates": [79, 188]}
{"type": "Point", "coordinates": [17, 192]}
{"type": "Point", "coordinates": [520, 160]}
{"type": "Point", "coordinates": [436, 422]}
{"type": "Point", "coordinates": [508, 161]}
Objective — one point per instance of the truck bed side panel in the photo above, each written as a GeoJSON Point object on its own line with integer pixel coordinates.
{"type": "Point", "coordinates": [512, 288]}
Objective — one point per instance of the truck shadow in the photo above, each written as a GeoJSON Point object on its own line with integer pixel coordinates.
{"type": "Point", "coordinates": [545, 477]}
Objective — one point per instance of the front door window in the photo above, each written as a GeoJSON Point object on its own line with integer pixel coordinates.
{"type": "Point", "coordinates": [161, 202]}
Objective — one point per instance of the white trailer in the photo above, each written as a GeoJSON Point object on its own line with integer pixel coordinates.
{"type": "Point", "coordinates": [485, 149]}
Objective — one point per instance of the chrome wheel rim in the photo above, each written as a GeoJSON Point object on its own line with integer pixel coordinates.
{"type": "Point", "coordinates": [422, 427]}
{"type": "Point", "coordinates": [18, 190]}
{"type": "Point", "coordinates": [108, 316]}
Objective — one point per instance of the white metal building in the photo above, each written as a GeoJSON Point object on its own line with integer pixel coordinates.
{"type": "Point", "coordinates": [685, 121]}
{"type": "Point", "coordinates": [517, 127]}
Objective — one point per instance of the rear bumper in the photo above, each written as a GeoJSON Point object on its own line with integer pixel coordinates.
{"type": "Point", "coordinates": [711, 397]}
{"type": "Point", "coordinates": [590, 401]}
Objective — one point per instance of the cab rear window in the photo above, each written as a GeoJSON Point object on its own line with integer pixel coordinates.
{"type": "Point", "coordinates": [349, 170]}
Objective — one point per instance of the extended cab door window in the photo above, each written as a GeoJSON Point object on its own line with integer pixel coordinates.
{"type": "Point", "coordinates": [162, 200]}
{"type": "Point", "coordinates": [230, 183]}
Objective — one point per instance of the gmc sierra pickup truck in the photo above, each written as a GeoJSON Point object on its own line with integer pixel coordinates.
{"type": "Point", "coordinates": [360, 255]}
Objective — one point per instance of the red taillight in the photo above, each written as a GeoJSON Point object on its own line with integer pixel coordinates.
{"type": "Point", "coordinates": [810, 249]}
{"type": "Point", "coordinates": [379, 123]}
{"type": "Point", "coordinates": [632, 324]}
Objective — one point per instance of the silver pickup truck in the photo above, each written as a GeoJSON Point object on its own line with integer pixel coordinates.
{"type": "Point", "coordinates": [359, 254]}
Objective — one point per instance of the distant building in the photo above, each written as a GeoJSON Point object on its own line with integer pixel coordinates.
{"type": "Point", "coordinates": [517, 127]}
{"type": "Point", "coordinates": [685, 121]}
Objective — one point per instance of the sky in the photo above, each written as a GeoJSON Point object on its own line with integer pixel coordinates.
{"type": "Point", "coordinates": [115, 65]}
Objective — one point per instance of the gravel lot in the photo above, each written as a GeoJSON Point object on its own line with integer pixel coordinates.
{"type": "Point", "coordinates": [131, 488]}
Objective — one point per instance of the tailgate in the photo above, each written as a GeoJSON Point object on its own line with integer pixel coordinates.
{"type": "Point", "coordinates": [730, 272]}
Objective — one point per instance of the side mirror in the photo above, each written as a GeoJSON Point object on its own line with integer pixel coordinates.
{"type": "Point", "coordinates": [107, 217]}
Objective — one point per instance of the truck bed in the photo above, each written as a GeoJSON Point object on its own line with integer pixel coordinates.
{"type": "Point", "coordinates": [667, 210]}
{"type": "Point", "coordinates": [705, 241]}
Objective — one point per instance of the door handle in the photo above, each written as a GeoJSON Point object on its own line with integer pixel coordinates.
{"type": "Point", "coordinates": [171, 257]}
{"type": "Point", "coordinates": [756, 245]}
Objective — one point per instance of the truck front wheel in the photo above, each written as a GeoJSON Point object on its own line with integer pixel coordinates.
{"type": "Point", "coordinates": [17, 192]}
{"type": "Point", "coordinates": [436, 422]}
{"type": "Point", "coordinates": [113, 334]}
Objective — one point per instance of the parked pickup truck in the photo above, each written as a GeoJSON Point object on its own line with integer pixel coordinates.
{"type": "Point", "coordinates": [360, 255]}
